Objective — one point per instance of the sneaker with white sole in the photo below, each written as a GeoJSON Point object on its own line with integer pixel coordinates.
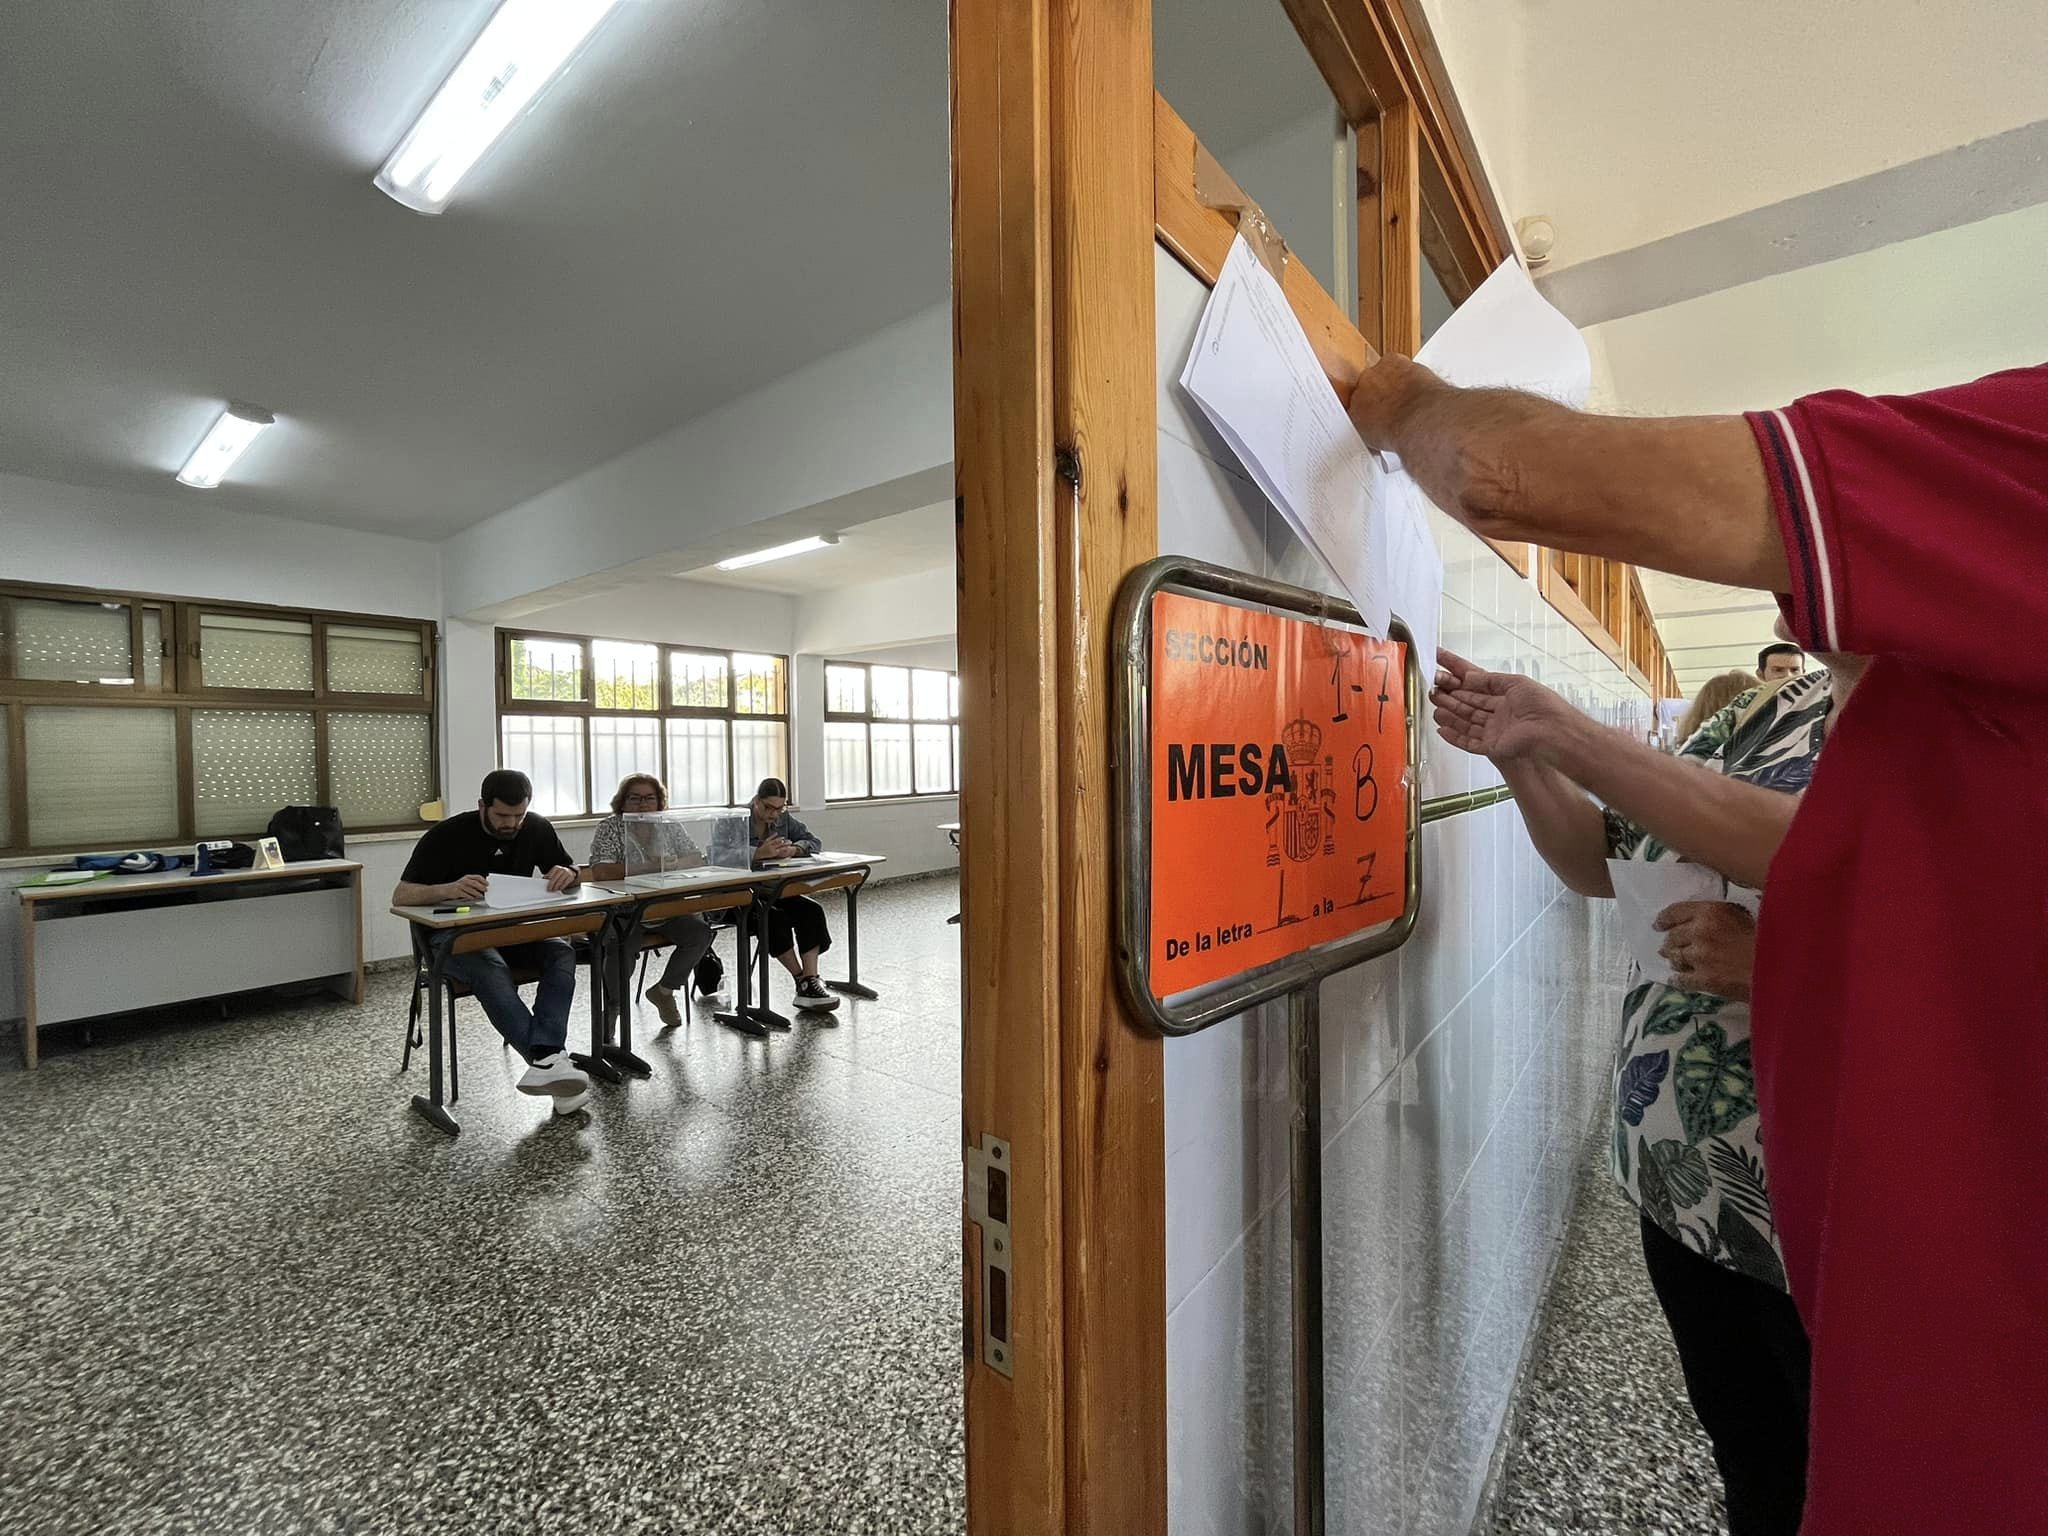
{"type": "Point", "coordinates": [556, 1075]}
{"type": "Point", "coordinates": [811, 993]}
{"type": "Point", "coordinates": [569, 1103]}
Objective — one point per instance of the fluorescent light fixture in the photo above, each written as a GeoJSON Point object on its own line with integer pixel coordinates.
{"type": "Point", "coordinates": [225, 441]}
{"type": "Point", "coordinates": [520, 50]}
{"type": "Point", "coordinates": [779, 552]}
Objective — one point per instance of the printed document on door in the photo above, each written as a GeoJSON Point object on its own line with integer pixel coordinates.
{"type": "Point", "coordinates": [1257, 379]}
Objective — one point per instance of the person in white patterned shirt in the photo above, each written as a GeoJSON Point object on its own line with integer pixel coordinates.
{"type": "Point", "coordinates": [691, 936]}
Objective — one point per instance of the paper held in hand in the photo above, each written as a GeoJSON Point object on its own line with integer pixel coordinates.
{"type": "Point", "coordinates": [518, 891]}
{"type": "Point", "coordinates": [1257, 379]}
{"type": "Point", "coordinates": [1642, 891]}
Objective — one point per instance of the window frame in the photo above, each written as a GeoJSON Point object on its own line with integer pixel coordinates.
{"type": "Point", "coordinates": [182, 692]}
{"type": "Point", "coordinates": [871, 717]}
{"type": "Point", "coordinates": [665, 708]}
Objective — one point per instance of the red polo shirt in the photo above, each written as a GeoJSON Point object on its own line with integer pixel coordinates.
{"type": "Point", "coordinates": [1901, 1007]}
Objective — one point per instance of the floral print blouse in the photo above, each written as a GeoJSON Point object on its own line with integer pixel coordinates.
{"type": "Point", "coordinates": [1685, 1145]}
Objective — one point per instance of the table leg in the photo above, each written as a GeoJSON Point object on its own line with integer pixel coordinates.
{"type": "Point", "coordinates": [742, 1017]}
{"type": "Point", "coordinates": [432, 1107]}
{"type": "Point", "coordinates": [763, 1014]}
{"type": "Point", "coordinates": [851, 987]}
{"type": "Point", "coordinates": [596, 1062]}
{"type": "Point", "coordinates": [620, 933]}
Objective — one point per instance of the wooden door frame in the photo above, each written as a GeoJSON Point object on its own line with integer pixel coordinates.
{"type": "Point", "coordinates": [1056, 447]}
{"type": "Point", "coordinates": [1066, 173]}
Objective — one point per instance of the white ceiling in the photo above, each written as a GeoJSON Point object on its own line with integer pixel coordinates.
{"type": "Point", "coordinates": [920, 540]}
{"type": "Point", "coordinates": [717, 192]}
{"type": "Point", "coordinates": [1709, 629]}
{"type": "Point", "coordinates": [1626, 123]}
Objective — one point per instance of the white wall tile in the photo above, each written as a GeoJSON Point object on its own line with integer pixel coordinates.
{"type": "Point", "coordinates": [1208, 510]}
{"type": "Point", "coordinates": [1227, 1138]}
{"type": "Point", "coordinates": [1459, 1077]}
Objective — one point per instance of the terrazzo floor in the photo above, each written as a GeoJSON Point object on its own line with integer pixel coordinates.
{"type": "Point", "coordinates": [1603, 1439]}
{"type": "Point", "coordinates": [243, 1289]}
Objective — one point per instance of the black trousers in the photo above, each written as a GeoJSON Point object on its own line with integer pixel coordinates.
{"type": "Point", "coordinates": [1746, 1365]}
{"type": "Point", "coordinates": [800, 920]}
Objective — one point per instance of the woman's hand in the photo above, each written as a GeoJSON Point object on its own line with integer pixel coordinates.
{"type": "Point", "coordinates": [1711, 946]}
{"type": "Point", "coordinates": [1500, 715]}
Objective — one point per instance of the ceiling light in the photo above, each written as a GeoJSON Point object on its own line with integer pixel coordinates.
{"type": "Point", "coordinates": [521, 48]}
{"type": "Point", "coordinates": [236, 428]}
{"type": "Point", "coordinates": [779, 552]}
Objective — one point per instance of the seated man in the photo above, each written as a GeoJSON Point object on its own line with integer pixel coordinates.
{"type": "Point", "coordinates": [797, 934]}
{"type": "Point", "coordinates": [641, 793]}
{"type": "Point", "coordinates": [451, 864]}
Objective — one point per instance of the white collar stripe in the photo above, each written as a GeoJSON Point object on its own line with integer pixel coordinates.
{"type": "Point", "coordinates": [1820, 537]}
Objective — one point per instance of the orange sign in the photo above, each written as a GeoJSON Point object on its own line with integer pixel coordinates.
{"type": "Point", "coordinates": [1279, 794]}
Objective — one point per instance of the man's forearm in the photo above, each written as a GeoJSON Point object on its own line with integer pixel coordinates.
{"type": "Point", "coordinates": [412, 894]}
{"type": "Point", "coordinates": [1728, 825]}
{"type": "Point", "coordinates": [1566, 827]}
{"type": "Point", "coordinates": [1682, 494]}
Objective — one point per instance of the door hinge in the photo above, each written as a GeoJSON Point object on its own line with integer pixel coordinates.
{"type": "Point", "coordinates": [988, 1207]}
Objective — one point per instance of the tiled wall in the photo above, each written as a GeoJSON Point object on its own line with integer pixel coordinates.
{"type": "Point", "coordinates": [1459, 1076]}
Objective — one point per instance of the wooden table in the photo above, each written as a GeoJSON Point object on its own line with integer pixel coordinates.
{"type": "Point", "coordinates": [438, 932]}
{"type": "Point", "coordinates": [823, 872]}
{"type": "Point", "coordinates": [128, 942]}
{"type": "Point", "coordinates": [709, 890]}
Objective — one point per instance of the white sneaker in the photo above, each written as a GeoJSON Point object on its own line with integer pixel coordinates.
{"type": "Point", "coordinates": [557, 1075]}
{"type": "Point", "coordinates": [569, 1103]}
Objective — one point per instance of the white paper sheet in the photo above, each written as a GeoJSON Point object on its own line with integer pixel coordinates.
{"type": "Point", "coordinates": [517, 891]}
{"type": "Point", "coordinates": [1415, 571]}
{"type": "Point", "coordinates": [1642, 891]}
{"type": "Point", "coordinates": [1257, 379]}
{"type": "Point", "coordinates": [1507, 335]}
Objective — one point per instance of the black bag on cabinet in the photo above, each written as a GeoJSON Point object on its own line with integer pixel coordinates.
{"type": "Point", "coordinates": [307, 832]}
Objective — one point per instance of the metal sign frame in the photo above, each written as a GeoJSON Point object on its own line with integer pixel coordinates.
{"type": "Point", "coordinates": [1131, 763]}
{"type": "Point", "coordinates": [1296, 977]}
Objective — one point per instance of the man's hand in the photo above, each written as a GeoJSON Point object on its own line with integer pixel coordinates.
{"type": "Point", "coordinates": [1381, 394]}
{"type": "Point", "coordinates": [1500, 715]}
{"type": "Point", "coordinates": [561, 878]}
{"type": "Point", "coordinates": [1711, 946]}
{"type": "Point", "coordinates": [468, 888]}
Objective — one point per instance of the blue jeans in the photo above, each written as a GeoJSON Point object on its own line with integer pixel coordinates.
{"type": "Point", "coordinates": [536, 1032]}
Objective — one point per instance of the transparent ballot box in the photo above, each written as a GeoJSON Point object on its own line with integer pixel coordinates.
{"type": "Point", "coordinates": [683, 848]}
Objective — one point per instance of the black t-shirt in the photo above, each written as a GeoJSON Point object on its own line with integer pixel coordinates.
{"type": "Point", "coordinates": [461, 846]}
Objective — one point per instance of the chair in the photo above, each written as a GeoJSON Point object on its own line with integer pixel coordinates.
{"type": "Point", "coordinates": [522, 975]}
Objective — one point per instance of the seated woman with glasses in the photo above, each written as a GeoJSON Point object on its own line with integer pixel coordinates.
{"type": "Point", "coordinates": [797, 933]}
{"type": "Point", "coordinates": [641, 793]}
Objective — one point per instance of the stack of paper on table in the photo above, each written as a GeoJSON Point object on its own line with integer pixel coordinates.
{"type": "Point", "coordinates": [518, 891]}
